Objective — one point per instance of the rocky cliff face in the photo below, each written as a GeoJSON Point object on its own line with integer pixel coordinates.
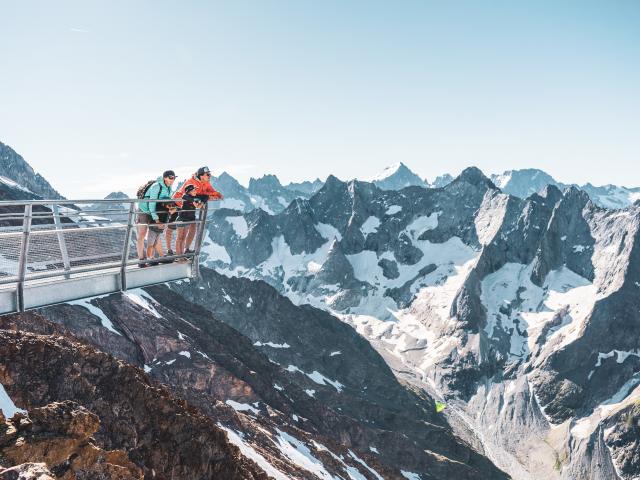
{"type": "Point", "coordinates": [273, 406]}
{"type": "Point", "coordinates": [162, 435]}
{"type": "Point", "coordinates": [14, 167]}
{"type": "Point", "coordinates": [58, 436]}
{"type": "Point", "coordinates": [505, 307]}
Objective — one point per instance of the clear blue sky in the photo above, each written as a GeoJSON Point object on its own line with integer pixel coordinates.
{"type": "Point", "coordinates": [97, 96]}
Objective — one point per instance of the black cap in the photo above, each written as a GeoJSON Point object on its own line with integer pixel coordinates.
{"type": "Point", "coordinates": [202, 171]}
{"type": "Point", "coordinates": [168, 173]}
{"type": "Point", "coordinates": [189, 188]}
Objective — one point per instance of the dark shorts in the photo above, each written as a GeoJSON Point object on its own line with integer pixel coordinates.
{"type": "Point", "coordinates": [144, 219]}
{"type": "Point", "coordinates": [173, 218]}
{"type": "Point", "coordinates": [187, 216]}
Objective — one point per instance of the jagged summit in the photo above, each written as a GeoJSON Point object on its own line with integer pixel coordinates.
{"type": "Point", "coordinates": [306, 187]}
{"type": "Point", "coordinates": [397, 177]}
{"type": "Point", "coordinates": [266, 181]}
{"type": "Point", "coordinates": [116, 195]}
{"type": "Point", "coordinates": [524, 182]}
{"type": "Point", "coordinates": [474, 176]}
{"type": "Point", "coordinates": [442, 181]}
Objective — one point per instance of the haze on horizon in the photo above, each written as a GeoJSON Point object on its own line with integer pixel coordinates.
{"type": "Point", "coordinates": [97, 97]}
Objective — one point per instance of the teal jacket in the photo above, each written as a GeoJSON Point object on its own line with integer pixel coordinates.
{"type": "Point", "coordinates": [158, 190]}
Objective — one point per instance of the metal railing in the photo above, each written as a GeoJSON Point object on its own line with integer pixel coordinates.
{"type": "Point", "coordinates": [58, 240]}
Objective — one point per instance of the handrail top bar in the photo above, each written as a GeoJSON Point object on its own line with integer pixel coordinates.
{"type": "Point", "coordinates": [102, 200]}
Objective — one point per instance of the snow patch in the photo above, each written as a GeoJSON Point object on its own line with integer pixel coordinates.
{"type": "Point", "coordinates": [363, 463]}
{"type": "Point", "coordinates": [214, 252]}
{"type": "Point", "coordinates": [387, 172]}
{"type": "Point", "coordinates": [96, 312]}
{"type": "Point", "coordinates": [621, 356]}
{"type": "Point", "coordinates": [393, 209]}
{"type": "Point", "coordinates": [249, 452]}
{"type": "Point", "coordinates": [318, 378]}
{"type": "Point", "coordinates": [11, 183]}
{"type": "Point", "coordinates": [6, 404]}
{"type": "Point", "coordinates": [239, 225]}
{"type": "Point", "coordinates": [301, 455]}
{"type": "Point", "coordinates": [422, 224]}
{"type": "Point", "coordinates": [313, 267]}
{"type": "Point", "coordinates": [232, 204]}
{"type": "Point", "coordinates": [242, 407]}
{"type": "Point", "coordinates": [410, 475]}
{"type": "Point", "coordinates": [328, 232]}
{"type": "Point", "coordinates": [370, 225]}
{"type": "Point", "coordinates": [142, 299]}
{"type": "Point", "coordinates": [272, 345]}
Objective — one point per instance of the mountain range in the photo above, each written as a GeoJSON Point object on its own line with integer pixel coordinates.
{"type": "Point", "coordinates": [389, 329]}
{"type": "Point", "coordinates": [521, 313]}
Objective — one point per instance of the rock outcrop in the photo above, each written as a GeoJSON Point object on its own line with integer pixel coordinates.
{"type": "Point", "coordinates": [59, 435]}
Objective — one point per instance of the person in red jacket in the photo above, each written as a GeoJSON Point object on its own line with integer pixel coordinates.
{"type": "Point", "coordinates": [192, 195]}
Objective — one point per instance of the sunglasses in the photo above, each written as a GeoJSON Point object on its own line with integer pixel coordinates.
{"type": "Point", "coordinates": [171, 177]}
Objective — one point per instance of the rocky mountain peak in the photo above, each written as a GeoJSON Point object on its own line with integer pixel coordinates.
{"type": "Point", "coordinates": [266, 182]}
{"type": "Point", "coordinates": [397, 177]}
{"type": "Point", "coordinates": [442, 181]}
{"type": "Point", "coordinates": [228, 182]}
{"type": "Point", "coordinates": [306, 187]}
{"type": "Point", "coordinates": [116, 195]}
{"type": "Point", "coordinates": [551, 193]}
{"type": "Point", "coordinates": [474, 176]}
{"type": "Point", "coordinates": [14, 167]}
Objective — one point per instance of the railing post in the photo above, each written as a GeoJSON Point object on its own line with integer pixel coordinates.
{"type": "Point", "coordinates": [127, 246]}
{"type": "Point", "coordinates": [61, 240]}
{"type": "Point", "coordinates": [202, 223]}
{"type": "Point", "coordinates": [22, 263]}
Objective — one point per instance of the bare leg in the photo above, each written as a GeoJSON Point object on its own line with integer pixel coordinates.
{"type": "Point", "coordinates": [159, 248]}
{"type": "Point", "coordinates": [190, 234]}
{"type": "Point", "coordinates": [140, 235]}
{"type": "Point", "coordinates": [182, 233]}
{"type": "Point", "coordinates": [150, 252]}
{"type": "Point", "coordinates": [168, 236]}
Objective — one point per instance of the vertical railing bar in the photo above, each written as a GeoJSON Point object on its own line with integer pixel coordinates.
{"type": "Point", "coordinates": [22, 263]}
{"type": "Point", "coordinates": [127, 246]}
{"type": "Point", "coordinates": [195, 265]}
{"type": "Point", "coordinates": [61, 240]}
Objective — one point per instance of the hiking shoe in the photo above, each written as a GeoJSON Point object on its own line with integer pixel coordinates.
{"type": "Point", "coordinates": [142, 265]}
{"type": "Point", "coordinates": [153, 263]}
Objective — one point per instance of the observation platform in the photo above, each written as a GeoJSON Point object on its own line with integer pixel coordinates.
{"type": "Point", "coordinates": [54, 251]}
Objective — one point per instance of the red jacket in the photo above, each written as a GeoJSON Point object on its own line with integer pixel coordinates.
{"type": "Point", "coordinates": [202, 188]}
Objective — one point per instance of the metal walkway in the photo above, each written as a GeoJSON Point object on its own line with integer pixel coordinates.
{"type": "Point", "coordinates": [54, 251]}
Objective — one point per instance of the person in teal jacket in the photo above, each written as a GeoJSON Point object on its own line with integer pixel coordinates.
{"type": "Point", "coordinates": [148, 214]}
